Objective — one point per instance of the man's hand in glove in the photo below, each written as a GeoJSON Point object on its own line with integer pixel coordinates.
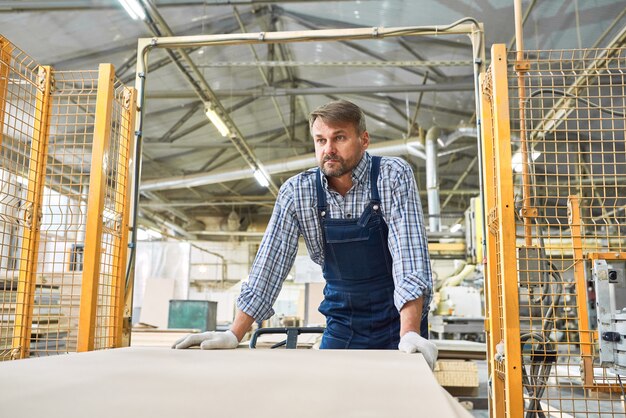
{"type": "Point", "coordinates": [412, 342]}
{"type": "Point", "coordinates": [208, 340]}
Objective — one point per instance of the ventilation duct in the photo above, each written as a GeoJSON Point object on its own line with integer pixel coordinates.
{"type": "Point", "coordinates": [389, 148]}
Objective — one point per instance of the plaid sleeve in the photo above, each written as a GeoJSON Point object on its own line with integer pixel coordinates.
{"type": "Point", "coordinates": [274, 259]}
{"type": "Point", "coordinates": [408, 242]}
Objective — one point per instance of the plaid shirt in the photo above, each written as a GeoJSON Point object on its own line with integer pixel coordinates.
{"type": "Point", "coordinates": [295, 214]}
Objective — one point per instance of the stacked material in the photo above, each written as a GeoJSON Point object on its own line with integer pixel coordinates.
{"type": "Point", "coordinates": [458, 377]}
{"type": "Point", "coordinates": [49, 327]}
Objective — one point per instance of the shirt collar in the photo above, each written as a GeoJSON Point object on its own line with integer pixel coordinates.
{"type": "Point", "coordinates": [362, 169]}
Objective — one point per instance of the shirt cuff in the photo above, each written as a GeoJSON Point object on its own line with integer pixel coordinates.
{"type": "Point", "coordinates": [410, 290]}
{"type": "Point", "coordinates": [253, 305]}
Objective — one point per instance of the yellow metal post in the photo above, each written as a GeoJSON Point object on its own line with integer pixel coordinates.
{"type": "Point", "coordinates": [32, 215]}
{"type": "Point", "coordinates": [6, 48]}
{"type": "Point", "coordinates": [493, 323]}
{"type": "Point", "coordinates": [506, 231]}
{"type": "Point", "coordinates": [586, 342]}
{"type": "Point", "coordinates": [95, 208]}
{"type": "Point", "coordinates": [122, 206]}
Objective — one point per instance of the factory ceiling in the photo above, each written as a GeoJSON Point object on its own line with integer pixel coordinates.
{"type": "Point", "coordinates": [406, 85]}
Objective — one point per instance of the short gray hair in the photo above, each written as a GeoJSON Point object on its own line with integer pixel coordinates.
{"type": "Point", "coordinates": [340, 111]}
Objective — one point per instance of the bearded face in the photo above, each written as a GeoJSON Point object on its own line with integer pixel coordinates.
{"type": "Point", "coordinates": [338, 147]}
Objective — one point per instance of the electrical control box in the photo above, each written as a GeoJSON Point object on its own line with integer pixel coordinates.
{"type": "Point", "coordinates": [609, 278]}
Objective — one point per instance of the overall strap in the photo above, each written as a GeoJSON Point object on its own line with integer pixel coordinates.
{"type": "Point", "coordinates": [375, 197]}
{"type": "Point", "coordinates": [321, 195]}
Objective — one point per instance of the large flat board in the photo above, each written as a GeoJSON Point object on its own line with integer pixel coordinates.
{"type": "Point", "coordinates": [159, 382]}
{"type": "Point", "coordinates": [156, 302]}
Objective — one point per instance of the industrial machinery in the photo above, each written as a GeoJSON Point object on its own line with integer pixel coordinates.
{"type": "Point", "coordinates": [458, 306]}
{"type": "Point", "coordinates": [458, 303]}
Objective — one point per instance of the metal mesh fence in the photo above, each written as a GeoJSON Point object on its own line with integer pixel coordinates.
{"type": "Point", "coordinates": [65, 149]}
{"type": "Point", "coordinates": [20, 119]}
{"type": "Point", "coordinates": [64, 206]}
{"type": "Point", "coordinates": [117, 185]}
{"type": "Point", "coordinates": [567, 174]}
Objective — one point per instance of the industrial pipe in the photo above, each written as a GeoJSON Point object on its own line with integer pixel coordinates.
{"type": "Point", "coordinates": [432, 186]}
{"type": "Point", "coordinates": [389, 148]}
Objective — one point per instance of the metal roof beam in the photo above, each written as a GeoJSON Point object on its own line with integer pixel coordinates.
{"type": "Point", "coordinates": [264, 76]}
{"type": "Point", "coordinates": [242, 200]}
{"type": "Point", "coordinates": [299, 91]}
{"type": "Point", "coordinates": [62, 6]}
{"type": "Point", "coordinates": [205, 121]}
{"type": "Point", "coordinates": [226, 24]}
{"type": "Point", "coordinates": [156, 197]}
{"type": "Point", "coordinates": [180, 122]}
{"type": "Point", "coordinates": [305, 20]}
{"type": "Point", "coordinates": [204, 91]}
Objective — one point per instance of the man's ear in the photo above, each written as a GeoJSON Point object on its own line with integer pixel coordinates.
{"type": "Point", "coordinates": [365, 139]}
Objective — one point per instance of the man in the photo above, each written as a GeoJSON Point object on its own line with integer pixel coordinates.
{"type": "Point", "coordinates": [361, 219]}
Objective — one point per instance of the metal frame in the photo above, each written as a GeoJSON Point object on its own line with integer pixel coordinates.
{"type": "Point", "coordinates": [466, 26]}
{"type": "Point", "coordinates": [97, 184]}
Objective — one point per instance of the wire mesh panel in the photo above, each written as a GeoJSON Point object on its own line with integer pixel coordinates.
{"type": "Point", "coordinates": [106, 218]}
{"type": "Point", "coordinates": [568, 166]}
{"type": "Point", "coordinates": [24, 108]}
{"type": "Point", "coordinates": [115, 217]}
{"type": "Point", "coordinates": [65, 208]}
{"type": "Point", "coordinates": [57, 128]}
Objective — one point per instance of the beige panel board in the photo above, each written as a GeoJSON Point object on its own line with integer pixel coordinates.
{"type": "Point", "coordinates": [157, 337]}
{"type": "Point", "coordinates": [156, 302]}
{"type": "Point", "coordinates": [158, 382]}
{"type": "Point", "coordinates": [315, 296]}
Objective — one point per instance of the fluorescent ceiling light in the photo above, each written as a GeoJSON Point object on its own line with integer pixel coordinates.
{"type": "Point", "coordinates": [516, 160]}
{"type": "Point", "coordinates": [217, 121]}
{"type": "Point", "coordinates": [261, 178]}
{"type": "Point", "coordinates": [455, 227]}
{"type": "Point", "coordinates": [134, 9]}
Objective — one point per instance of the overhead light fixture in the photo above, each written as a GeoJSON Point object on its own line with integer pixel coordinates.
{"type": "Point", "coordinates": [217, 121]}
{"type": "Point", "coordinates": [134, 9]}
{"type": "Point", "coordinates": [516, 160]}
{"type": "Point", "coordinates": [456, 227]}
{"type": "Point", "coordinates": [261, 178]}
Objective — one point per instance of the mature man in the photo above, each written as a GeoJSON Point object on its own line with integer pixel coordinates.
{"type": "Point", "coordinates": [362, 221]}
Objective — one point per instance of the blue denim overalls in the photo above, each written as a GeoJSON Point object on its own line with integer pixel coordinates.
{"type": "Point", "coordinates": [358, 297]}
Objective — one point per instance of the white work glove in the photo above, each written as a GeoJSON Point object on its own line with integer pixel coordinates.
{"type": "Point", "coordinates": [412, 342]}
{"type": "Point", "coordinates": [208, 340]}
